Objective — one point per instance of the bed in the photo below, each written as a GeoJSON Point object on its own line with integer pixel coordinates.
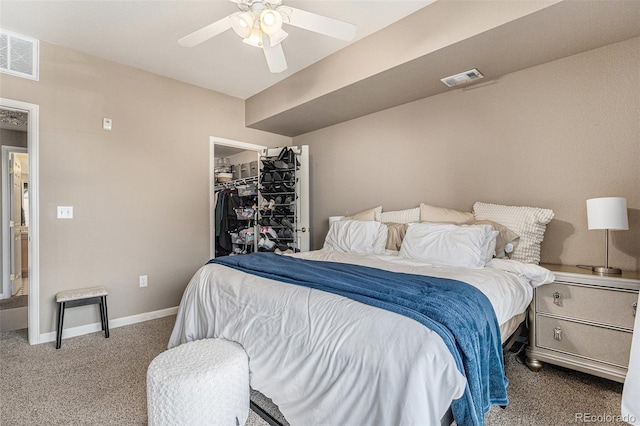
{"type": "Point", "coordinates": [327, 359]}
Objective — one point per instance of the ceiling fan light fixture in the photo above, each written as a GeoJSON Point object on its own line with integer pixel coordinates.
{"type": "Point", "coordinates": [278, 37]}
{"type": "Point", "coordinates": [270, 21]}
{"type": "Point", "coordinates": [259, 24]}
{"type": "Point", "coordinates": [242, 23]}
{"type": "Point", "coordinates": [255, 37]}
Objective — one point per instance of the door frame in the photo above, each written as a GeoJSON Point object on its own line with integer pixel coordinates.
{"type": "Point", "coordinates": [34, 213]}
{"type": "Point", "coordinates": [213, 141]}
{"type": "Point", "coordinates": [6, 214]}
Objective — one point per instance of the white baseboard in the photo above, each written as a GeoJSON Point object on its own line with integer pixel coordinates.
{"type": "Point", "coordinates": [115, 323]}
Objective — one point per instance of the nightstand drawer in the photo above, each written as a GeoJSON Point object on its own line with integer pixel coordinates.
{"type": "Point", "coordinates": [584, 340]}
{"type": "Point", "coordinates": [604, 306]}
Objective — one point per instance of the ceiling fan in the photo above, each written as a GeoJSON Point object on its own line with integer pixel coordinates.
{"type": "Point", "coordinates": [259, 23]}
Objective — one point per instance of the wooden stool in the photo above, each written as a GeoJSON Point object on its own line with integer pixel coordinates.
{"type": "Point", "coordinates": [80, 297]}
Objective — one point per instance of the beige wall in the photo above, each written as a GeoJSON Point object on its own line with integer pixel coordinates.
{"type": "Point", "coordinates": [139, 192]}
{"type": "Point", "coordinates": [549, 136]}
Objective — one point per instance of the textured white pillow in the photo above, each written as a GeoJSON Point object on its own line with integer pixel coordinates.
{"type": "Point", "coordinates": [356, 236]}
{"type": "Point", "coordinates": [449, 244]}
{"type": "Point", "coordinates": [399, 216]}
{"type": "Point", "coordinates": [528, 222]}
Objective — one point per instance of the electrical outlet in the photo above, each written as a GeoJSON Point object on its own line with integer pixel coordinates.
{"type": "Point", "coordinates": [143, 280]}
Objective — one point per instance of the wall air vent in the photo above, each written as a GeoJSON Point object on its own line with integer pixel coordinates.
{"type": "Point", "coordinates": [18, 55]}
{"type": "Point", "coordinates": [462, 78]}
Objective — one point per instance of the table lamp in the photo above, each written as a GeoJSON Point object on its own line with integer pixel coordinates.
{"type": "Point", "coordinates": [608, 213]}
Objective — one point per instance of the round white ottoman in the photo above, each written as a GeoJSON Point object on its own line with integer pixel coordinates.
{"type": "Point", "coordinates": [205, 382]}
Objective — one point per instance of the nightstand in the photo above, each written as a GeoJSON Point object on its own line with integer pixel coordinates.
{"type": "Point", "coordinates": [583, 321]}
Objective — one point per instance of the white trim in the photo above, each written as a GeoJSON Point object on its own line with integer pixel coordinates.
{"type": "Point", "coordinates": [34, 213]}
{"type": "Point", "coordinates": [236, 144]}
{"type": "Point", "coordinates": [303, 237]}
{"type": "Point", "coordinates": [213, 141]}
{"type": "Point", "coordinates": [116, 323]}
{"type": "Point", "coordinates": [6, 231]}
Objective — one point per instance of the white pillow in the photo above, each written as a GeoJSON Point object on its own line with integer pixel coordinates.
{"type": "Point", "coordinates": [356, 236]}
{"type": "Point", "coordinates": [399, 216]}
{"type": "Point", "coordinates": [527, 222]}
{"type": "Point", "coordinates": [490, 246]}
{"type": "Point", "coordinates": [449, 244]}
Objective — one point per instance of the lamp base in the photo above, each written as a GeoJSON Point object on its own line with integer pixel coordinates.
{"type": "Point", "coordinates": [603, 270]}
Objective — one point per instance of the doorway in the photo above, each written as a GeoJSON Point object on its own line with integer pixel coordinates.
{"type": "Point", "coordinates": [220, 148]}
{"type": "Point", "coordinates": [15, 230]}
{"type": "Point", "coordinates": [15, 222]}
{"type": "Point", "coordinates": [20, 216]}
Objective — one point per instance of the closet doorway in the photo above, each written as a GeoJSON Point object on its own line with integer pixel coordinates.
{"type": "Point", "coordinates": [282, 217]}
{"type": "Point", "coordinates": [220, 148]}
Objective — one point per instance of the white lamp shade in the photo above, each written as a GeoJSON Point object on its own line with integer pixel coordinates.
{"type": "Point", "coordinates": [270, 21]}
{"type": "Point", "coordinates": [242, 23]}
{"type": "Point", "coordinates": [277, 37]}
{"type": "Point", "coordinates": [607, 213]}
{"type": "Point", "coordinates": [255, 38]}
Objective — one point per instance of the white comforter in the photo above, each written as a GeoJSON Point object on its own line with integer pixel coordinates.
{"type": "Point", "coordinates": [328, 360]}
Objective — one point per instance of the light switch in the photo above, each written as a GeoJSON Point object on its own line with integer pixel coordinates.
{"type": "Point", "coordinates": [106, 124]}
{"type": "Point", "coordinates": [65, 212]}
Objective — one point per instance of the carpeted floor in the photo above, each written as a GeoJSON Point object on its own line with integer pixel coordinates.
{"type": "Point", "coordinates": [96, 381]}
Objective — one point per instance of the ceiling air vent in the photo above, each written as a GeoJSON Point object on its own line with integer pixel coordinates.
{"type": "Point", "coordinates": [462, 78]}
{"type": "Point", "coordinates": [18, 55]}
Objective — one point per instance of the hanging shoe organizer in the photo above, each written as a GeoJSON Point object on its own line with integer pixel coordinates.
{"type": "Point", "coordinates": [278, 215]}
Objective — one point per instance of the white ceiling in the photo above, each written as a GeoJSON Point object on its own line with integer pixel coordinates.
{"type": "Point", "coordinates": [144, 34]}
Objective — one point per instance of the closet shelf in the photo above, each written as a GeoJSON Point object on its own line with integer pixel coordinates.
{"type": "Point", "coordinates": [234, 183]}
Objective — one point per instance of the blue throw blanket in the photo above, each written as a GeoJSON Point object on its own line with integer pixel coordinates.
{"type": "Point", "coordinates": [461, 314]}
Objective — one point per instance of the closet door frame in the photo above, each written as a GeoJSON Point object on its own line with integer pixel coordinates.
{"type": "Point", "coordinates": [303, 232]}
{"type": "Point", "coordinates": [213, 141]}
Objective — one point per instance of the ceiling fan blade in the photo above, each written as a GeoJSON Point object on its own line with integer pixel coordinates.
{"type": "Point", "coordinates": [274, 55]}
{"type": "Point", "coordinates": [205, 33]}
{"type": "Point", "coordinates": [318, 23]}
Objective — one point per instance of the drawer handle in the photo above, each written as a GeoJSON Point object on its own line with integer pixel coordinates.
{"type": "Point", "coordinates": [635, 308]}
{"type": "Point", "coordinates": [557, 333]}
{"type": "Point", "coordinates": [557, 298]}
